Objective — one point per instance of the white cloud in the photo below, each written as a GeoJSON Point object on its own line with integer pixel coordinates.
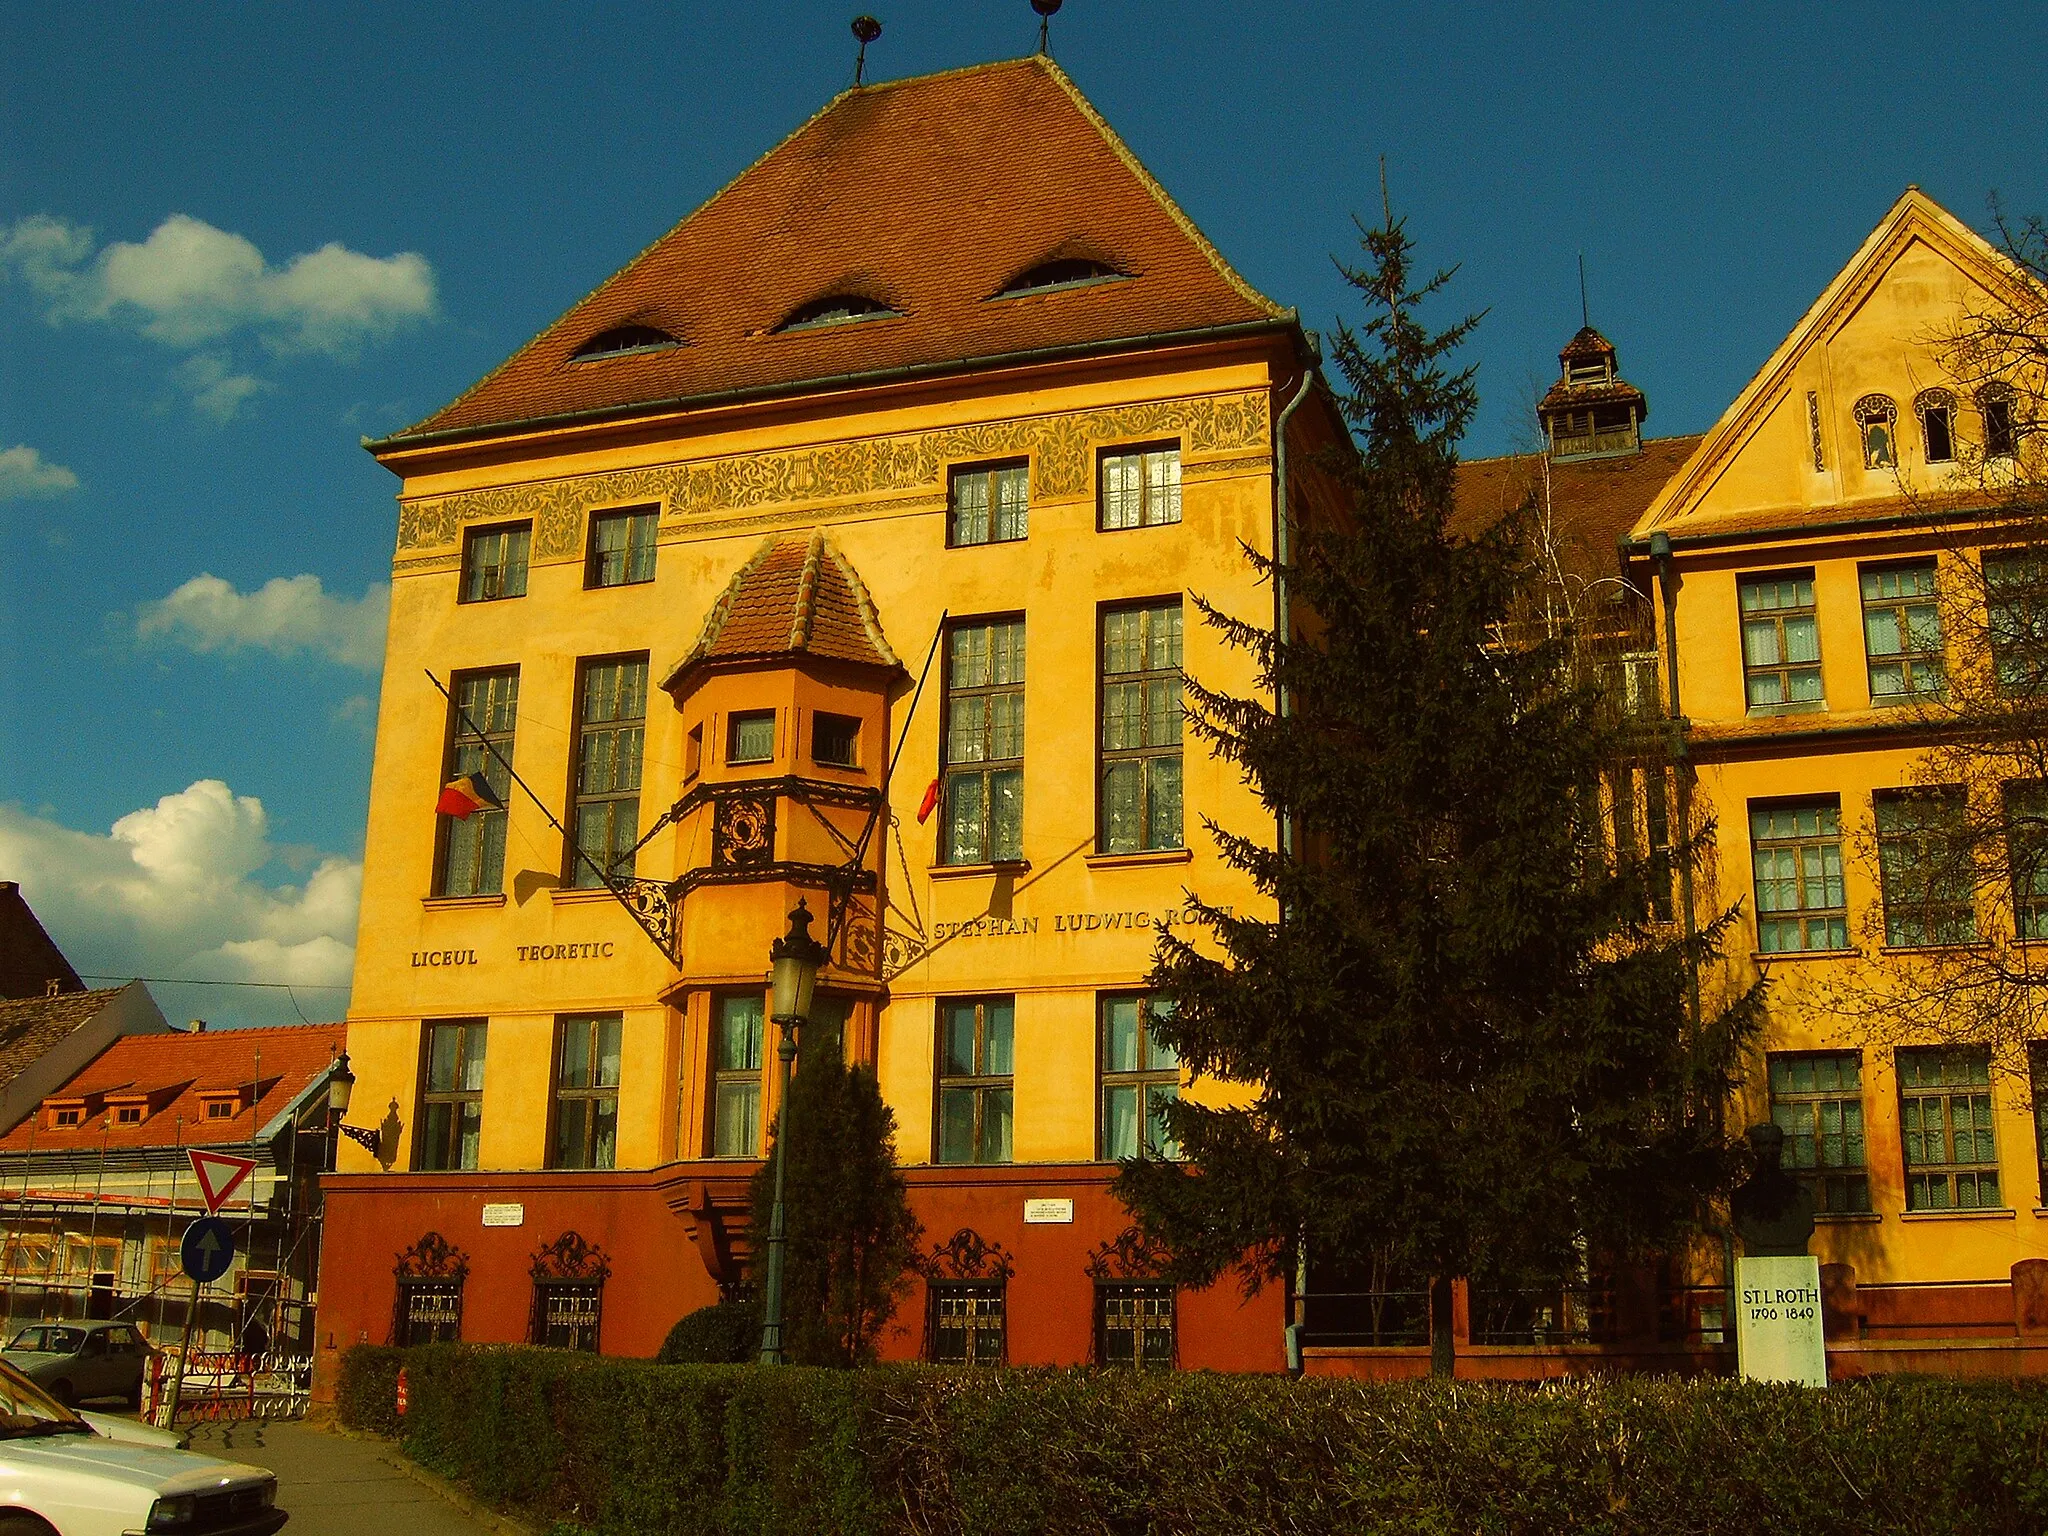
{"type": "Point", "coordinates": [285, 616]}
{"type": "Point", "coordinates": [218, 392]}
{"type": "Point", "coordinates": [172, 890]}
{"type": "Point", "coordinates": [25, 473]}
{"type": "Point", "coordinates": [190, 284]}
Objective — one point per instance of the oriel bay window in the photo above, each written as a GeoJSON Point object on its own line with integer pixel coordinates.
{"type": "Point", "coordinates": [1945, 1119]}
{"type": "Point", "coordinates": [1141, 727]}
{"type": "Point", "coordinates": [1796, 849]}
{"type": "Point", "coordinates": [611, 727]}
{"type": "Point", "coordinates": [452, 1095]}
{"type": "Point", "coordinates": [1924, 866]}
{"type": "Point", "coordinates": [984, 747]}
{"type": "Point", "coordinates": [482, 718]}
{"type": "Point", "coordinates": [1817, 1101]}
{"type": "Point", "coordinates": [975, 1082]}
{"type": "Point", "coordinates": [966, 1322]}
{"type": "Point", "coordinates": [621, 548]}
{"type": "Point", "coordinates": [494, 562]}
{"type": "Point", "coordinates": [1780, 641]}
{"type": "Point", "coordinates": [1141, 487]}
{"type": "Point", "coordinates": [1902, 631]}
{"type": "Point", "coordinates": [587, 1090]}
{"type": "Point", "coordinates": [1140, 1077]}
{"type": "Point", "coordinates": [736, 1076]}
{"type": "Point", "coordinates": [990, 504]}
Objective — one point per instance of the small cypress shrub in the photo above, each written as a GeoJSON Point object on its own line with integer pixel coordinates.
{"type": "Point", "coordinates": [726, 1334]}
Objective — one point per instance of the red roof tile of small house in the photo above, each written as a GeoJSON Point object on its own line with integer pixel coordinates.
{"type": "Point", "coordinates": [797, 594]}
{"type": "Point", "coordinates": [927, 196]}
{"type": "Point", "coordinates": [178, 1071]}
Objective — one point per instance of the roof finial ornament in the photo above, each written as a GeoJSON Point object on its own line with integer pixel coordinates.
{"type": "Point", "coordinates": [1585, 312]}
{"type": "Point", "coordinates": [1046, 9]}
{"type": "Point", "coordinates": [866, 29]}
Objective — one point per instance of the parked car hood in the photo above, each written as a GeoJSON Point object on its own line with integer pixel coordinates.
{"type": "Point", "coordinates": [161, 1471]}
{"type": "Point", "coordinates": [27, 1361]}
{"type": "Point", "coordinates": [133, 1431]}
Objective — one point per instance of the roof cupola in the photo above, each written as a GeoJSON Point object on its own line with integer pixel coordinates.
{"type": "Point", "coordinates": [1591, 410]}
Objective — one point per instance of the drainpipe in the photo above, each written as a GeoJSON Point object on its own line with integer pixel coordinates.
{"type": "Point", "coordinates": [1283, 551]}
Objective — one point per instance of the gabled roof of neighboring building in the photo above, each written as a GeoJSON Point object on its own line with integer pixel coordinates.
{"type": "Point", "coordinates": [29, 958]}
{"type": "Point", "coordinates": [176, 1073]}
{"type": "Point", "coordinates": [916, 202]}
{"type": "Point", "coordinates": [1593, 501]}
{"type": "Point", "coordinates": [796, 595]}
{"type": "Point", "coordinates": [30, 1026]}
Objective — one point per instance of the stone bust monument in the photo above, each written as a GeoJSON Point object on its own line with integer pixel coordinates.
{"type": "Point", "coordinates": [1773, 1211]}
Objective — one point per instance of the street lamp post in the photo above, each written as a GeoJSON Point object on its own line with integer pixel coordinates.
{"type": "Point", "coordinates": [341, 1086]}
{"type": "Point", "coordinates": [792, 978]}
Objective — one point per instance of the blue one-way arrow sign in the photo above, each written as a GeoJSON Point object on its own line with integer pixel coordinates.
{"type": "Point", "coordinates": [208, 1249]}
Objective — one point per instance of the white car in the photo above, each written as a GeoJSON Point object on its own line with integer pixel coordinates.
{"type": "Point", "coordinates": [60, 1477]}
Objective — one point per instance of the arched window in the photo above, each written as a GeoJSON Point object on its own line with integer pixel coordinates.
{"type": "Point", "coordinates": [1068, 272]}
{"type": "Point", "coordinates": [1994, 401]}
{"type": "Point", "coordinates": [622, 339]}
{"type": "Point", "coordinates": [1936, 409]}
{"type": "Point", "coordinates": [836, 309]}
{"type": "Point", "coordinates": [1877, 429]}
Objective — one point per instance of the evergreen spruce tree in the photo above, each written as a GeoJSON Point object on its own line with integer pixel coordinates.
{"type": "Point", "coordinates": [1468, 1048]}
{"type": "Point", "coordinates": [851, 1235]}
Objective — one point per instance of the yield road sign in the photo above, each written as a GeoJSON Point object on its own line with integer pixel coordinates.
{"type": "Point", "coordinates": [220, 1174]}
{"type": "Point", "coordinates": [208, 1249]}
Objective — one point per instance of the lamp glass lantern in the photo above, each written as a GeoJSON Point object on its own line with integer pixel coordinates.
{"type": "Point", "coordinates": [340, 1087]}
{"type": "Point", "coordinates": [793, 968]}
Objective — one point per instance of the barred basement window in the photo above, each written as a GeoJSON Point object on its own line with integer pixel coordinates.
{"type": "Point", "coordinates": [975, 1082]}
{"type": "Point", "coordinates": [1141, 724]}
{"type": "Point", "coordinates": [966, 1322]}
{"type": "Point", "coordinates": [736, 1077]}
{"type": "Point", "coordinates": [621, 548]}
{"type": "Point", "coordinates": [1134, 1326]}
{"type": "Point", "coordinates": [983, 819]}
{"type": "Point", "coordinates": [1817, 1101]}
{"type": "Point", "coordinates": [1780, 641]}
{"type": "Point", "coordinates": [482, 718]}
{"type": "Point", "coordinates": [1924, 866]}
{"type": "Point", "coordinates": [587, 1091]}
{"type": "Point", "coordinates": [1945, 1115]}
{"type": "Point", "coordinates": [611, 728]}
{"type": "Point", "coordinates": [1797, 855]}
{"type": "Point", "coordinates": [494, 562]}
{"type": "Point", "coordinates": [452, 1098]}
{"type": "Point", "coordinates": [1140, 487]}
{"type": "Point", "coordinates": [1902, 631]}
{"type": "Point", "coordinates": [1140, 1077]}
{"type": "Point", "coordinates": [567, 1313]}
{"type": "Point", "coordinates": [991, 504]}
{"type": "Point", "coordinates": [429, 1311]}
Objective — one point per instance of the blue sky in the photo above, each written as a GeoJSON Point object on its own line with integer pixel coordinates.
{"type": "Point", "coordinates": [234, 240]}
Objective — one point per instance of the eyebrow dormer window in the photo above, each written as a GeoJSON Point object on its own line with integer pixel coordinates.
{"type": "Point", "coordinates": [1071, 272]}
{"type": "Point", "coordinates": [836, 309]}
{"type": "Point", "coordinates": [621, 340]}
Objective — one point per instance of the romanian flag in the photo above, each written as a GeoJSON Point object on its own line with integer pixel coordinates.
{"type": "Point", "coordinates": [463, 797]}
{"type": "Point", "coordinates": [929, 804]}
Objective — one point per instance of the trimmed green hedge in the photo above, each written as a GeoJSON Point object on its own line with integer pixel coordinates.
{"type": "Point", "coordinates": [622, 1446]}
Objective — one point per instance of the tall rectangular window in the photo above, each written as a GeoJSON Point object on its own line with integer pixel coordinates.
{"type": "Point", "coordinates": [2026, 850]}
{"type": "Point", "coordinates": [2037, 1075]}
{"type": "Point", "coordinates": [1141, 721]}
{"type": "Point", "coordinates": [567, 1314]}
{"type": "Point", "coordinates": [1999, 436]}
{"type": "Point", "coordinates": [2016, 614]}
{"type": "Point", "coordinates": [1140, 1077]}
{"type": "Point", "coordinates": [1141, 487]}
{"type": "Point", "coordinates": [984, 748]}
{"type": "Point", "coordinates": [750, 736]}
{"type": "Point", "coordinates": [736, 1077]}
{"type": "Point", "coordinates": [1796, 851]}
{"type": "Point", "coordinates": [494, 562]}
{"type": "Point", "coordinates": [966, 1326]}
{"type": "Point", "coordinates": [1945, 1116]}
{"type": "Point", "coordinates": [1780, 641]}
{"type": "Point", "coordinates": [621, 548]}
{"type": "Point", "coordinates": [1817, 1101]}
{"type": "Point", "coordinates": [991, 504]}
{"type": "Point", "coordinates": [1902, 631]}
{"type": "Point", "coordinates": [611, 728]}
{"type": "Point", "coordinates": [1924, 866]}
{"type": "Point", "coordinates": [1134, 1325]}
{"type": "Point", "coordinates": [587, 1091]}
{"type": "Point", "coordinates": [485, 712]}
{"type": "Point", "coordinates": [452, 1096]}
{"type": "Point", "coordinates": [975, 1083]}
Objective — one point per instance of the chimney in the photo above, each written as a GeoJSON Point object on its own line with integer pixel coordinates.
{"type": "Point", "coordinates": [196, 1026]}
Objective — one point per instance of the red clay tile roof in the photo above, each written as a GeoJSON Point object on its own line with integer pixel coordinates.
{"type": "Point", "coordinates": [29, 959]}
{"type": "Point", "coordinates": [1593, 502]}
{"type": "Point", "coordinates": [1587, 343]}
{"type": "Point", "coordinates": [796, 594]}
{"type": "Point", "coordinates": [1563, 397]}
{"type": "Point", "coordinates": [927, 195]}
{"type": "Point", "coordinates": [174, 1069]}
{"type": "Point", "coordinates": [30, 1026]}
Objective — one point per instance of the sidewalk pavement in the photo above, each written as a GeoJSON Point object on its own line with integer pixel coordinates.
{"type": "Point", "coordinates": [337, 1485]}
